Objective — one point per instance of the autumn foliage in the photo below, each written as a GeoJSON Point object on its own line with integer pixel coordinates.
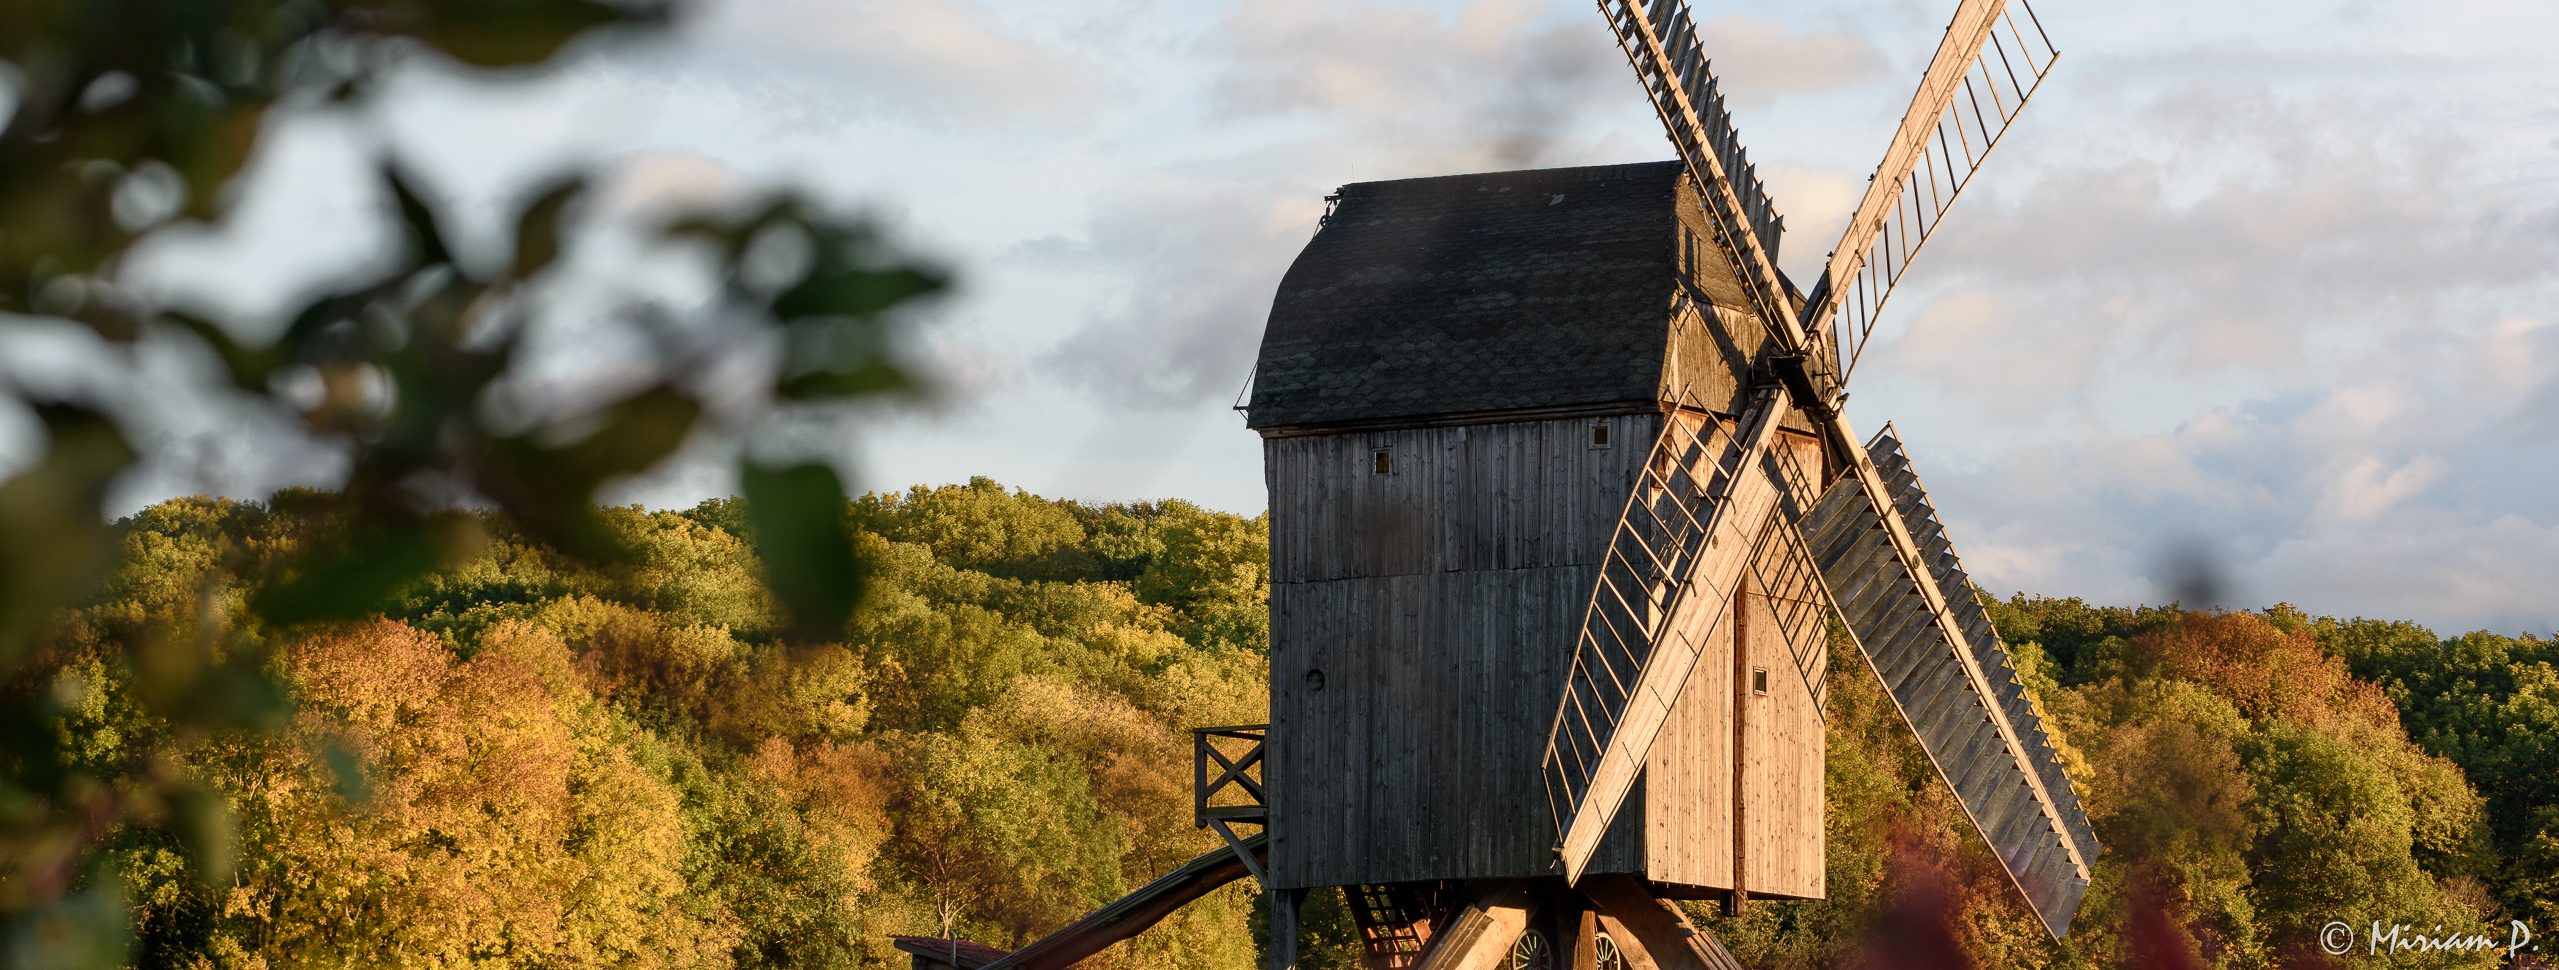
{"type": "Point", "coordinates": [535, 760]}
{"type": "Point", "coordinates": [532, 760]}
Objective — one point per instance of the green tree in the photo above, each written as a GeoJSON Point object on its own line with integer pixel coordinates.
{"type": "Point", "coordinates": [974, 526]}
{"type": "Point", "coordinates": [1216, 569]}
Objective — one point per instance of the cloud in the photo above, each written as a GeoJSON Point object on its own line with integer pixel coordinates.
{"type": "Point", "coordinates": [2219, 319]}
{"type": "Point", "coordinates": [1817, 203]}
{"type": "Point", "coordinates": [948, 62]}
{"type": "Point", "coordinates": [659, 182]}
{"type": "Point", "coordinates": [1496, 85]}
{"type": "Point", "coordinates": [2372, 487]}
{"type": "Point", "coordinates": [1759, 59]}
{"type": "Point", "coordinates": [1202, 261]}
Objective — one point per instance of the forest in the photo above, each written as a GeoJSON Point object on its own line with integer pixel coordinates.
{"type": "Point", "coordinates": [529, 759]}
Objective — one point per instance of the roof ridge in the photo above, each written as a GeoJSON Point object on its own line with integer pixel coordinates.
{"type": "Point", "coordinates": [1589, 173]}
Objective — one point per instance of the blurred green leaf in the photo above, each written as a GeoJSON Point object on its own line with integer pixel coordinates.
{"type": "Point", "coordinates": [205, 829]}
{"type": "Point", "coordinates": [53, 522]}
{"type": "Point", "coordinates": [853, 292]}
{"type": "Point", "coordinates": [424, 237]}
{"type": "Point", "coordinates": [249, 369]}
{"type": "Point", "coordinates": [802, 533]}
{"type": "Point", "coordinates": [551, 489]}
{"type": "Point", "coordinates": [637, 434]}
{"type": "Point", "coordinates": [79, 930]}
{"type": "Point", "coordinates": [537, 233]}
{"type": "Point", "coordinates": [346, 770]}
{"type": "Point", "coordinates": [238, 694]}
{"type": "Point", "coordinates": [504, 33]}
{"type": "Point", "coordinates": [874, 377]}
{"type": "Point", "coordinates": [355, 575]}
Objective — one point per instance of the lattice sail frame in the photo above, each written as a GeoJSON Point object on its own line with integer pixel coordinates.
{"type": "Point", "coordinates": [1660, 41]}
{"type": "Point", "coordinates": [1954, 684]}
{"type": "Point", "coordinates": [1954, 121]}
{"type": "Point", "coordinates": [1605, 724]}
{"type": "Point", "coordinates": [1674, 560]}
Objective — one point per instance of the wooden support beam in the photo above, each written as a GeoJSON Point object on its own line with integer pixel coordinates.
{"type": "Point", "coordinates": [1741, 746]}
{"type": "Point", "coordinates": [1129, 914]}
{"type": "Point", "coordinates": [1479, 937]}
{"type": "Point", "coordinates": [1651, 933]}
{"type": "Point", "coordinates": [1284, 907]}
{"type": "Point", "coordinates": [1586, 935]}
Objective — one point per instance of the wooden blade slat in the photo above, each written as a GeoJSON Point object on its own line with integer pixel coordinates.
{"type": "Point", "coordinates": [1904, 594]}
{"type": "Point", "coordinates": [1973, 89]}
{"type": "Point", "coordinates": [1660, 41]}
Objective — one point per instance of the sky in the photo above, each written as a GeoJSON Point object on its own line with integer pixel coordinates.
{"type": "Point", "coordinates": [2262, 291]}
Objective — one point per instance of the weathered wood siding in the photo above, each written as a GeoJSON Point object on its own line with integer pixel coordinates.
{"type": "Point", "coordinates": [1689, 802]}
{"type": "Point", "coordinates": [1688, 782]}
{"type": "Point", "coordinates": [1711, 355]}
{"type": "Point", "coordinates": [1781, 767]}
{"type": "Point", "coordinates": [1440, 601]}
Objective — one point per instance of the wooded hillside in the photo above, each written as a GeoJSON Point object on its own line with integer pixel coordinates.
{"type": "Point", "coordinates": [529, 760]}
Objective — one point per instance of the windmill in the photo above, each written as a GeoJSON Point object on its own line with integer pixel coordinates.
{"type": "Point", "coordinates": [1562, 502]}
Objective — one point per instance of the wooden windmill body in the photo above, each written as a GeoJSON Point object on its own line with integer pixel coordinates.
{"type": "Point", "coordinates": [1463, 381]}
{"type": "Point", "coordinates": [1563, 506]}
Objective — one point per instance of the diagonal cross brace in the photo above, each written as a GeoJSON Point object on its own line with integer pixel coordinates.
{"type": "Point", "coordinates": [1232, 772]}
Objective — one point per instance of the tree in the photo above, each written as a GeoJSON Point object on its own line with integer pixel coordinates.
{"type": "Point", "coordinates": [130, 117]}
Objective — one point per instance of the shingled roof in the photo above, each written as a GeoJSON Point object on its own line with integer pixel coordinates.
{"type": "Point", "coordinates": [1466, 293]}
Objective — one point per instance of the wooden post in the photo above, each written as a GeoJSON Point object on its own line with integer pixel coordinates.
{"type": "Point", "coordinates": [1740, 897]}
{"type": "Point", "coordinates": [1284, 906]}
{"type": "Point", "coordinates": [1585, 933]}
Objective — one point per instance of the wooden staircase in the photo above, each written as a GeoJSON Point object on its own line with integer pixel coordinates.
{"type": "Point", "coordinates": [1395, 921]}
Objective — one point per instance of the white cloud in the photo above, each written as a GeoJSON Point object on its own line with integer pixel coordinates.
{"type": "Point", "coordinates": [1202, 262]}
{"type": "Point", "coordinates": [2372, 487]}
{"type": "Point", "coordinates": [941, 61]}
{"type": "Point", "coordinates": [1758, 59]}
{"type": "Point", "coordinates": [2270, 283]}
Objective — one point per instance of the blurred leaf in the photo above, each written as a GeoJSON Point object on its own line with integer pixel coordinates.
{"type": "Point", "coordinates": [506, 33]}
{"type": "Point", "coordinates": [347, 771]}
{"type": "Point", "coordinates": [872, 378]}
{"type": "Point", "coordinates": [551, 490]}
{"type": "Point", "coordinates": [353, 576]}
{"type": "Point", "coordinates": [853, 292]}
{"type": "Point", "coordinates": [802, 533]}
{"type": "Point", "coordinates": [249, 369]}
{"type": "Point", "coordinates": [86, 928]}
{"type": "Point", "coordinates": [206, 830]}
{"type": "Point", "coordinates": [238, 694]}
{"type": "Point", "coordinates": [537, 234]}
{"type": "Point", "coordinates": [424, 237]}
{"type": "Point", "coordinates": [637, 434]}
{"type": "Point", "coordinates": [53, 521]}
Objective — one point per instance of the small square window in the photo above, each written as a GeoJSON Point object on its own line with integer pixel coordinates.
{"type": "Point", "coordinates": [1599, 436]}
{"type": "Point", "coordinates": [1759, 680]}
{"type": "Point", "coordinates": [1385, 462]}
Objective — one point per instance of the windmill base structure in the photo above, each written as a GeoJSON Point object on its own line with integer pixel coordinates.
{"type": "Point", "coordinates": [1563, 509]}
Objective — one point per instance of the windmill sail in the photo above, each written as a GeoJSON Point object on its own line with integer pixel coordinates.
{"type": "Point", "coordinates": [1673, 562]}
{"type": "Point", "coordinates": [1984, 71]}
{"type": "Point", "coordinates": [1953, 681]}
{"type": "Point", "coordinates": [1661, 42]}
